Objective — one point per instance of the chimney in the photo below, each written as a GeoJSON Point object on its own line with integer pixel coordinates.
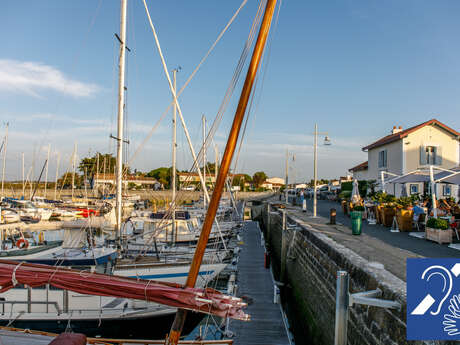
{"type": "Point", "coordinates": [396, 129]}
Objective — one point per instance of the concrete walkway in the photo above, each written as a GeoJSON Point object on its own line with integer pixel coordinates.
{"type": "Point", "coordinates": [376, 243]}
{"type": "Point", "coordinates": [255, 283]}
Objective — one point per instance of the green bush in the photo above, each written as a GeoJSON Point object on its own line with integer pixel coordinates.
{"type": "Point", "coordinates": [437, 223]}
{"type": "Point", "coordinates": [358, 208]}
{"type": "Point", "coordinates": [404, 201]}
{"type": "Point", "coordinates": [362, 187]}
{"type": "Point", "coordinates": [345, 194]}
{"type": "Point", "coordinates": [346, 186]}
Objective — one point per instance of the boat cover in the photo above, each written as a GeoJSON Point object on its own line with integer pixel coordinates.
{"type": "Point", "coordinates": [207, 300]}
{"type": "Point", "coordinates": [69, 339]}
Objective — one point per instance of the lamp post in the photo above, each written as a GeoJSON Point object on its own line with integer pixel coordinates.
{"type": "Point", "coordinates": [327, 141]}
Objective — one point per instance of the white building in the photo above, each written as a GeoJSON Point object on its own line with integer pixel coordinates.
{"type": "Point", "coordinates": [403, 151]}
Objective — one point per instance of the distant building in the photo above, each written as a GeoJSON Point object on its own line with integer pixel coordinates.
{"type": "Point", "coordinates": [360, 172]}
{"type": "Point", "coordinates": [273, 183]}
{"type": "Point", "coordinates": [109, 179]}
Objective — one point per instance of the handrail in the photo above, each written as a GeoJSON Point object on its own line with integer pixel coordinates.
{"type": "Point", "coordinates": [55, 304]}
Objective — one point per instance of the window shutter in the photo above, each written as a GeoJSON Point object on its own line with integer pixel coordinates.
{"type": "Point", "coordinates": [422, 155]}
{"type": "Point", "coordinates": [380, 159]}
{"type": "Point", "coordinates": [438, 155]}
{"type": "Point", "coordinates": [385, 159]}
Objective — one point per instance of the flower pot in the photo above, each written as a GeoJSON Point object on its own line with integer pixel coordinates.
{"type": "Point", "coordinates": [404, 218]}
{"type": "Point", "coordinates": [379, 214]}
{"type": "Point", "coordinates": [438, 235]}
{"type": "Point", "coordinates": [356, 222]}
{"type": "Point", "coordinates": [344, 207]}
{"type": "Point", "coordinates": [388, 214]}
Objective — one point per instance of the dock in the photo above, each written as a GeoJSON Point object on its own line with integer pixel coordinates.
{"type": "Point", "coordinates": [255, 283]}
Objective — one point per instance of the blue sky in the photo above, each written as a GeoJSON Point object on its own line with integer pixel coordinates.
{"type": "Point", "coordinates": [355, 67]}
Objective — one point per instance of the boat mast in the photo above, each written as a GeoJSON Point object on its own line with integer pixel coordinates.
{"type": "Point", "coordinates": [96, 174]}
{"type": "Point", "coordinates": [4, 157]}
{"type": "Point", "coordinates": [74, 163]}
{"type": "Point", "coordinates": [287, 176]}
{"type": "Point", "coordinates": [216, 163]}
{"type": "Point", "coordinates": [173, 169]}
{"type": "Point", "coordinates": [57, 175]}
{"type": "Point", "coordinates": [46, 171]}
{"type": "Point", "coordinates": [121, 102]}
{"type": "Point", "coordinates": [23, 181]}
{"type": "Point", "coordinates": [203, 118]}
{"type": "Point", "coordinates": [181, 314]}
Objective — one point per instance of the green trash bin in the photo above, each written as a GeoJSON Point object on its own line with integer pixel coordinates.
{"type": "Point", "coordinates": [356, 222]}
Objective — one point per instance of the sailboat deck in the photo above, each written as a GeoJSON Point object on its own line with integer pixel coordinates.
{"type": "Point", "coordinates": [255, 282]}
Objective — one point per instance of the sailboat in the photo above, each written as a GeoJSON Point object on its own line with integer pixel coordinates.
{"type": "Point", "coordinates": [56, 310]}
{"type": "Point", "coordinates": [121, 310]}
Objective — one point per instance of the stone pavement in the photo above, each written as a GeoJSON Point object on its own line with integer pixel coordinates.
{"type": "Point", "coordinates": [375, 244]}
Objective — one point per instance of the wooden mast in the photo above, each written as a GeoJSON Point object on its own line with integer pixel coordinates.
{"type": "Point", "coordinates": [181, 314]}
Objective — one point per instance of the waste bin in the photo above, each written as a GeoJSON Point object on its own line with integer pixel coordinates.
{"type": "Point", "coordinates": [356, 222]}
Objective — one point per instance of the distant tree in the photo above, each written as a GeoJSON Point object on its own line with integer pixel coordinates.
{"type": "Point", "coordinates": [210, 168]}
{"type": "Point", "coordinates": [240, 180]}
{"type": "Point", "coordinates": [107, 164]}
{"type": "Point", "coordinates": [258, 178]}
{"type": "Point", "coordinates": [66, 180]}
{"type": "Point", "coordinates": [163, 175]}
{"type": "Point", "coordinates": [318, 182]}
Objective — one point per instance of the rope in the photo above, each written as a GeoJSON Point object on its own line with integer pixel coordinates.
{"type": "Point", "coordinates": [149, 135]}
{"type": "Point", "coordinates": [13, 275]}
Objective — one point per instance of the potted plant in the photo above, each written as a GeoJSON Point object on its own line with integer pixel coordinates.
{"type": "Point", "coordinates": [356, 219]}
{"type": "Point", "coordinates": [389, 211]}
{"type": "Point", "coordinates": [438, 230]}
{"type": "Point", "coordinates": [404, 213]}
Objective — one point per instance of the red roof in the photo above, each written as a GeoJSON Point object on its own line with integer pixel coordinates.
{"type": "Point", "coordinates": [359, 167]}
{"type": "Point", "coordinates": [394, 137]}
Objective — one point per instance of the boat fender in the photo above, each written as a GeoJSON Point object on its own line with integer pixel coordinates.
{"type": "Point", "coordinates": [22, 243]}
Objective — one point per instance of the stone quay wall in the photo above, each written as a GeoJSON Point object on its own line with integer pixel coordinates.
{"type": "Point", "coordinates": [306, 261]}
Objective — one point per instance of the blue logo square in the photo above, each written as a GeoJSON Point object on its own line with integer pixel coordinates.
{"type": "Point", "coordinates": [433, 299]}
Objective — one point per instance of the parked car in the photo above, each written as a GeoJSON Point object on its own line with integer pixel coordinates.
{"type": "Point", "coordinates": [189, 188]}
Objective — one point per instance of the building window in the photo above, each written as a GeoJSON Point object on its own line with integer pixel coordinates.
{"type": "Point", "coordinates": [430, 152]}
{"type": "Point", "coordinates": [383, 159]}
{"type": "Point", "coordinates": [430, 155]}
{"type": "Point", "coordinates": [414, 189]}
{"type": "Point", "coordinates": [446, 190]}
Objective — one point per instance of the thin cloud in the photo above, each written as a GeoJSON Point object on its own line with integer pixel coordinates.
{"type": "Point", "coordinates": [33, 77]}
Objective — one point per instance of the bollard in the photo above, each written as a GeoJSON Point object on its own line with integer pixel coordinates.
{"type": "Point", "coordinates": [268, 224]}
{"type": "Point", "coordinates": [332, 214]}
{"type": "Point", "coordinates": [283, 248]}
{"type": "Point", "coordinates": [341, 308]}
{"type": "Point", "coordinates": [266, 259]}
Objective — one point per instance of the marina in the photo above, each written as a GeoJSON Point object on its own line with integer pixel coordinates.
{"type": "Point", "coordinates": [247, 172]}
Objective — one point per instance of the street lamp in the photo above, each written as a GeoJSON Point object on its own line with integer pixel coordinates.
{"type": "Point", "coordinates": [327, 141]}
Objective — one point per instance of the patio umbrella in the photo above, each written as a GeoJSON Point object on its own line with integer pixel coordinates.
{"type": "Point", "coordinates": [403, 190]}
{"type": "Point", "coordinates": [412, 177]}
{"type": "Point", "coordinates": [453, 178]}
{"type": "Point", "coordinates": [355, 197]}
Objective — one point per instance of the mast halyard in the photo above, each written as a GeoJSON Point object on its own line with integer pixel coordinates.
{"type": "Point", "coordinates": [121, 102]}
{"type": "Point", "coordinates": [181, 314]}
{"type": "Point", "coordinates": [204, 159]}
{"type": "Point", "coordinates": [173, 169]}
{"type": "Point", "coordinates": [5, 146]}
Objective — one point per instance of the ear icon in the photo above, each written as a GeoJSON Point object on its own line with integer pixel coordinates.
{"type": "Point", "coordinates": [428, 301]}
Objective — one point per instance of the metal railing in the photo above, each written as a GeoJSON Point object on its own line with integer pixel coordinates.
{"type": "Point", "coordinates": [345, 300]}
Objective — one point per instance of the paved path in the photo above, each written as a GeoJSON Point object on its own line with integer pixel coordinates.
{"type": "Point", "coordinates": [398, 239]}
{"type": "Point", "coordinates": [376, 243]}
{"type": "Point", "coordinates": [255, 282]}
